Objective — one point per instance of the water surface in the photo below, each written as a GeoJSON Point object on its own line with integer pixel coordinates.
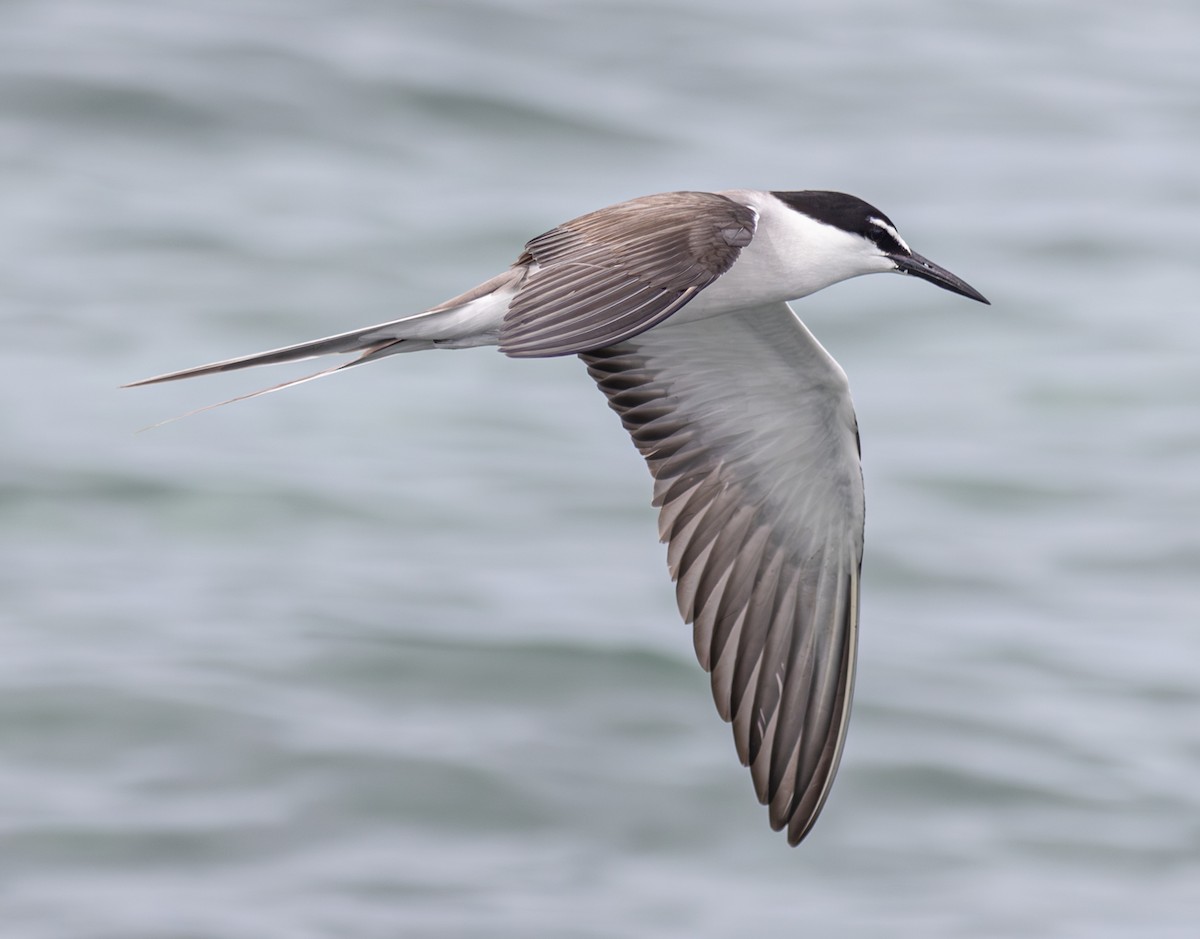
{"type": "Point", "coordinates": [395, 654]}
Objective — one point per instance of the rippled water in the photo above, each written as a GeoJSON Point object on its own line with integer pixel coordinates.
{"type": "Point", "coordinates": [395, 654]}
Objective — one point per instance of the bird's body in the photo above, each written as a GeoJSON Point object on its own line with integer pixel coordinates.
{"type": "Point", "coordinates": [677, 303]}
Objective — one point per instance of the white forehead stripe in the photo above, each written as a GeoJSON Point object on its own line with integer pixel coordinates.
{"type": "Point", "coordinates": [874, 220]}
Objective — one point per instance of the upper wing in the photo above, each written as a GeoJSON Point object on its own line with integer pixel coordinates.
{"type": "Point", "coordinates": [747, 426]}
{"type": "Point", "coordinates": [611, 274]}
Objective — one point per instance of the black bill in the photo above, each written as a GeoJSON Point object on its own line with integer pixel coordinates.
{"type": "Point", "coordinates": [925, 269]}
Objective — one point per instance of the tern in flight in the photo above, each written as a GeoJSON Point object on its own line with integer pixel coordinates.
{"type": "Point", "coordinates": [677, 303]}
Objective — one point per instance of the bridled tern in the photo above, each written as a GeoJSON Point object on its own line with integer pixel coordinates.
{"type": "Point", "coordinates": [678, 305]}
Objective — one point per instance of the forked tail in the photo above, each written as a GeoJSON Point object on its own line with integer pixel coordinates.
{"type": "Point", "coordinates": [467, 320]}
{"type": "Point", "coordinates": [373, 342]}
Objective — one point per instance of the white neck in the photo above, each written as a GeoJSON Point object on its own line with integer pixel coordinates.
{"type": "Point", "coordinates": [793, 255]}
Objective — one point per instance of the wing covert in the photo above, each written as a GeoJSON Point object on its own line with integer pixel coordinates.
{"type": "Point", "coordinates": [609, 275]}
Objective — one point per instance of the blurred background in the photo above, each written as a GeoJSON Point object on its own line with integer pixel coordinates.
{"type": "Point", "coordinates": [396, 654]}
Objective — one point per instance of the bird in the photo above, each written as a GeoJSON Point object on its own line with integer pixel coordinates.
{"type": "Point", "coordinates": [678, 305]}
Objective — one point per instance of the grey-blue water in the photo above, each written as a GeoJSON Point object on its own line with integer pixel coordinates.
{"type": "Point", "coordinates": [395, 654]}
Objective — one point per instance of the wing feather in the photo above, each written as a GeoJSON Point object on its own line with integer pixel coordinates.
{"type": "Point", "coordinates": [609, 275]}
{"type": "Point", "coordinates": [747, 426]}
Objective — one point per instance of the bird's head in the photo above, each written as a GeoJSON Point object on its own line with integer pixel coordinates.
{"type": "Point", "coordinates": [873, 242]}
